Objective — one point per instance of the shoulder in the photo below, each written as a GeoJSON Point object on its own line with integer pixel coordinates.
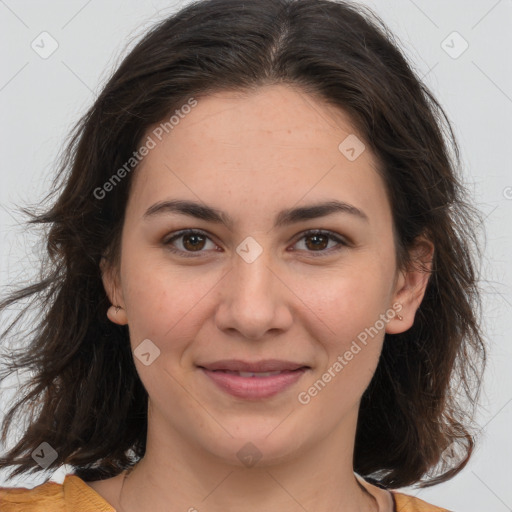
{"type": "Point", "coordinates": [73, 495]}
{"type": "Point", "coordinates": [47, 496]}
{"type": "Point", "coordinates": [406, 503]}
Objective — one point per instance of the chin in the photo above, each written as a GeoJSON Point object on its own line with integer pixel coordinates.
{"type": "Point", "coordinates": [252, 446]}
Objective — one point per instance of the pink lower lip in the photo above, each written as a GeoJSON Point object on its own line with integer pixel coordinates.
{"type": "Point", "coordinates": [254, 387]}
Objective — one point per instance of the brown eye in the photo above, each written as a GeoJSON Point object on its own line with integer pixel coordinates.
{"type": "Point", "coordinates": [193, 242]}
{"type": "Point", "coordinates": [188, 242]}
{"type": "Point", "coordinates": [317, 241]}
{"type": "Point", "coordinates": [322, 242]}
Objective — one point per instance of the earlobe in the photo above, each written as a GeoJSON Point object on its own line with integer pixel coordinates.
{"type": "Point", "coordinates": [411, 285]}
{"type": "Point", "coordinates": [116, 313]}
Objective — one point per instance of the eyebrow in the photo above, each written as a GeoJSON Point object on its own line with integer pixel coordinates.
{"type": "Point", "coordinates": [283, 218]}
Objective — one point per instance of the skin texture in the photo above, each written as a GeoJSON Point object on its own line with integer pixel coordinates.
{"type": "Point", "coordinates": [252, 155]}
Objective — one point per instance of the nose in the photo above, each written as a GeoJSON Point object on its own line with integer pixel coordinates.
{"type": "Point", "coordinates": [254, 299]}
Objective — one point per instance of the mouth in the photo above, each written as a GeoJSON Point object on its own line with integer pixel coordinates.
{"type": "Point", "coordinates": [253, 374]}
{"type": "Point", "coordinates": [253, 380]}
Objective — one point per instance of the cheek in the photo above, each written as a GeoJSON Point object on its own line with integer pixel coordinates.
{"type": "Point", "coordinates": [346, 320]}
{"type": "Point", "coordinates": [159, 302]}
{"type": "Point", "coordinates": [163, 305]}
{"type": "Point", "coordinates": [345, 302]}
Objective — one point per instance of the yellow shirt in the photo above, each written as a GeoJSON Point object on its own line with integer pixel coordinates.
{"type": "Point", "coordinates": [74, 495]}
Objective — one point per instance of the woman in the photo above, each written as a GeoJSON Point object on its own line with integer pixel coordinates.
{"type": "Point", "coordinates": [260, 291]}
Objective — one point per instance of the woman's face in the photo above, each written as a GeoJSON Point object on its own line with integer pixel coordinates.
{"type": "Point", "coordinates": [258, 290]}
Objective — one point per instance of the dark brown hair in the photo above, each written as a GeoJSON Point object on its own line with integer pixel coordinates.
{"type": "Point", "coordinates": [85, 397]}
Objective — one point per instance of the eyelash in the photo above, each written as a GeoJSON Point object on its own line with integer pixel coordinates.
{"type": "Point", "coordinates": [191, 254]}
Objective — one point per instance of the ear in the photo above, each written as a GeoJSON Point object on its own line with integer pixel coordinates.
{"type": "Point", "coordinates": [111, 283]}
{"type": "Point", "coordinates": [411, 284]}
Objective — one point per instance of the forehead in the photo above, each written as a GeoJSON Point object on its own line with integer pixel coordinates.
{"type": "Point", "coordinates": [277, 116]}
{"type": "Point", "coordinates": [259, 144]}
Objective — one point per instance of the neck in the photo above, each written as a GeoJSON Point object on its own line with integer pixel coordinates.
{"type": "Point", "coordinates": [174, 476]}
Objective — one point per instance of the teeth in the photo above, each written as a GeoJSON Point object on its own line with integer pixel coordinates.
{"type": "Point", "coordinates": [256, 374]}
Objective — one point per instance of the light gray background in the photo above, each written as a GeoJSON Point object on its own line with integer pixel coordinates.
{"type": "Point", "coordinates": [40, 99]}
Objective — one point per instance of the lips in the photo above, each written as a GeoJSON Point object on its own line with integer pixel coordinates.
{"type": "Point", "coordinates": [267, 365]}
{"type": "Point", "coordinates": [253, 380]}
{"type": "Point", "coordinates": [253, 374]}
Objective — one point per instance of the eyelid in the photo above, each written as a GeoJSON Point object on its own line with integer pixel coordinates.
{"type": "Point", "coordinates": [167, 241]}
{"type": "Point", "coordinates": [339, 239]}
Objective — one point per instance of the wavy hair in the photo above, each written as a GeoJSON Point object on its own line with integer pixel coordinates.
{"type": "Point", "coordinates": [421, 401]}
